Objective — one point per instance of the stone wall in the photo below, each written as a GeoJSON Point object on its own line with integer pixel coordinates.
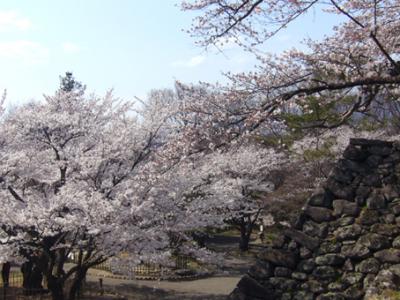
{"type": "Point", "coordinates": [346, 241]}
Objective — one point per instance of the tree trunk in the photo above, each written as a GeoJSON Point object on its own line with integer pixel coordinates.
{"type": "Point", "coordinates": [77, 283]}
{"type": "Point", "coordinates": [245, 232]}
{"type": "Point", "coordinates": [56, 287]}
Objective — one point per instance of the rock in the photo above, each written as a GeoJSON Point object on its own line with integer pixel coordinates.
{"type": "Point", "coordinates": [283, 284]}
{"type": "Point", "coordinates": [353, 166]}
{"type": "Point", "coordinates": [329, 247]}
{"type": "Point", "coordinates": [395, 208]}
{"type": "Point", "coordinates": [318, 214]}
{"type": "Point", "coordinates": [352, 278]}
{"type": "Point", "coordinates": [356, 251]}
{"type": "Point", "coordinates": [380, 150]}
{"type": "Point", "coordinates": [279, 258]}
{"type": "Point", "coordinates": [331, 296]}
{"type": "Point", "coordinates": [348, 265]}
{"type": "Point", "coordinates": [385, 229]}
{"type": "Point", "coordinates": [370, 265]}
{"type": "Point", "coordinates": [354, 293]}
{"type": "Point", "coordinates": [369, 142]}
{"type": "Point", "coordinates": [302, 238]}
{"type": "Point", "coordinates": [395, 269]}
{"type": "Point", "coordinates": [374, 160]}
{"type": "Point", "coordinates": [302, 295]}
{"type": "Point", "coordinates": [237, 295]}
{"type": "Point", "coordinates": [330, 260]}
{"type": "Point", "coordinates": [396, 243]}
{"type": "Point", "coordinates": [325, 272]}
{"type": "Point", "coordinates": [388, 256]}
{"type": "Point", "coordinates": [344, 207]}
{"type": "Point", "coordinates": [313, 286]}
{"type": "Point", "coordinates": [368, 216]}
{"type": "Point", "coordinates": [374, 241]}
{"type": "Point", "coordinates": [261, 270]}
{"type": "Point", "coordinates": [252, 288]}
{"type": "Point", "coordinates": [305, 253]}
{"type": "Point", "coordinates": [350, 232]}
{"type": "Point", "coordinates": [299, 276]}
{"type": "Point", "coordinates": [363, 191]}
{"type": "Point", "coordinates": [337, 286]}
{"type": "Point", "coordinates": [306, 266]}
{"type": "Point", "coordinates": [390, 218]}
{"type": "Point", "coordinates": [344, 221]}
{"type": "Point", "coordinates": [354, 153]}
{"type": "Point", "coordinates": [376, 201]}
{"type": "Point", "coordinates": [390, 192]}
{"type": "Point", "coordinates": [282, 272]}
{"type": "Point", "coordinates": [373, 180]}
{"type": "Point", "coordinates": [339, 190]}
{"type": "Point", "coordinates": [321, 198]}
{"type": "Point", "coordinates": [314, 229]}
{"type": "Point", "coordinates": [342, 176]}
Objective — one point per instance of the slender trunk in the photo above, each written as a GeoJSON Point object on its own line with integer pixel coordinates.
{"type": "Point", "coordinates": [77, 283]}
{"type": "Point", "coordinates": [245, 232]}
{"type": "Point", "coordinates": [56, 287]}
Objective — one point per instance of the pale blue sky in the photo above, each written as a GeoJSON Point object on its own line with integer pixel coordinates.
{"type": "Point", "coordinates": [129, 45]}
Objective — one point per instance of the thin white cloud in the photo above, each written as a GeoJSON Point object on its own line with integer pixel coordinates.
{"type": "Point", "coordinates": [70, 48]}
{"type": "Point", "coordinates": [27, 51]}
{"type": "Point", "coordinates": [190, 63]}
{"type": "Point", "coordinates": [10, 20]}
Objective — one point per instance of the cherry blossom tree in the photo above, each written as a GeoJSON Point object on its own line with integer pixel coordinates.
{"type": "Point", "coordinates": [347, 72]}
{"type": "Point", "coordinates": [91, 176]}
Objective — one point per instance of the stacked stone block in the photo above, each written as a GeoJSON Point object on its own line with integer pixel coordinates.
{"type": "Point", "coordinates": [346, 241]}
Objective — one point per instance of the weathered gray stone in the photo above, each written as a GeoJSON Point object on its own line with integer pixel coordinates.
{"type": "Point", "coordinates": [376, 201]}
{"type": "Point", "coordinates": [314, 229]}
{"type": "Point", "coordinates": [330, 260]}
{"type": "Point", "coordinates": [299, 276]}
{"type": "Point", "coordinates": [348, 265]}
{"type": "Point", "coordinates": [390, 192]}
{"type": "Point", "coordinates": [329, 247]}
{"type": "Point", "coordinates": [306, 266]}
{"type": "Point", "coordinates": [352, 278]}
{"type": "Point", "coordinates": [331, 296]}
{"type": "Point", "coordinates": [337, 286]}
{"type": "Point", "coordinates": [344, 221]}
{"type": "Point", "coordinates": [302, 295]}
{"type": "Point", "coordinates": [350, 232]}
{"type": "Point", "coordinates": [374, 160]}
{"type": "Point", "coordinates": [302, 238]}
{"type": "Point", "coordinates": [318, 214]}
{"type": "Point", "coordinates": [325, 272]}
{"type": "Point", "coordinates": [344, 207]}
{"type": "Point", "coordinates": [339, 190]}
{"type": "Point", "coordinates": [370, 265]}
{"type": "Point", "coordinates": [284, 284]}
{"type": "Point", "coordinates": [396, 243]}
{"type": "Point", "coordinates": [252, 288]}
{"type": "Point", "coordinates": [279, 258]}
{"type": "Point", "coordinates": [380, 150]}
{"type": "Point", "coordinates": [313, 286]}
{"type": "Point", "coordinates": [370, 142]}
{"type": "Point", "coordinates": [356, 251]}
{"type": "Point", "coordinates": [305, 253]}
{"type": "Point", "coordinates": [342, 176]}
{"type": "Point", "coordinates": [388, 256]}
{"type": "Point", "coordinates": [374, 241]}
{"type": "Point", "coordinates": [372, 180]}
{"type": "Point", "coordinates": [354, 293]}
{"type": "Point", "coordinates": [363, 191]}
{"type": "Point", "coordinates": [354, 153]}
{"type": "Point", "coordinates": [261, 270]}
{"type": "Point", "coordinates": [368, 216]}
{"type": "Point", "coordinates": [385, 229]}
{"type": "Point", "coordinates": [321, 198]}
{"type": "Point", "coordinates": [282, 272]}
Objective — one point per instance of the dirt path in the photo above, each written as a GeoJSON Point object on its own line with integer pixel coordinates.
{"type": "Point", "coordinates": [210, 288]}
